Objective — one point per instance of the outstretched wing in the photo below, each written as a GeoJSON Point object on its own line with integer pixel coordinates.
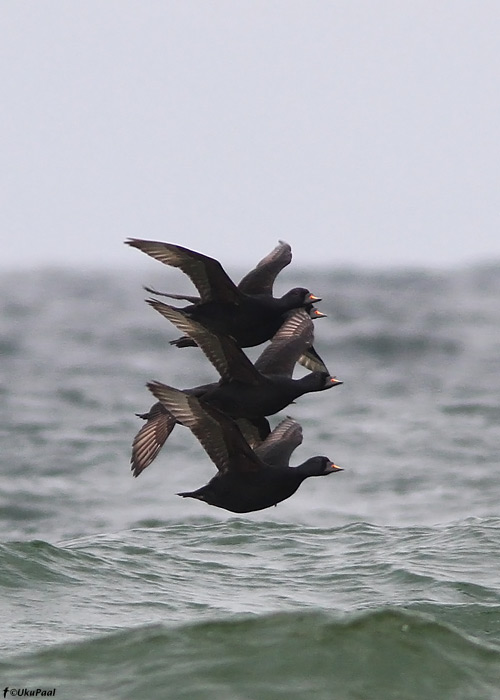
{"type": "Point", "coordinates": [312, 361]}
{"type": "Point", "coordinates": [151, 437]}
{"type": "Point", "coordinates": [260, 280]}
{"type": "Point", "coordinates": [254, 430]}
{"type": "Point", "coordinates": [207, 274]}
{"type": "Point", "coordinates": [228, 359]}
{"type": "Point", "coordinates": [277, 448]}
{"type": "Point", "coordinates": [287, 345]}
{"type": "Point", "coordinates": [218, 434]}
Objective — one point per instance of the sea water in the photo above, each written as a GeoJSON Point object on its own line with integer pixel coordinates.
{"type": "Point", "coordinates": [381, 581]}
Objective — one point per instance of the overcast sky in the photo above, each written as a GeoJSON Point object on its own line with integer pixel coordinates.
{"type": "Point", "coordinates": [362, 132]}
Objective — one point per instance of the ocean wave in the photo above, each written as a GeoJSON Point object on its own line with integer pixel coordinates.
{"type": "Point", "coordinates": [394, 344]}
{"type": "Point", "coordinates": [201, 569]}
{"type": "Point", "coordinates": [181, 600]}
{"type": "Point", "coordinates": [24, 564]}
{"type": "Point", "coordinates": [457, 554]}
{"type": "Point", "coordinates": [386, 653]}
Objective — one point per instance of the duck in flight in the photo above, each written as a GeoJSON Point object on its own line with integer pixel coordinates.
{"type": "Point", "coordinates": [247, 479]}
{"type": "Point", "coordinates": [260, 280]}
{"type": "Point", "coordinates": [245, 391]}
{"type": "Point", "coordinates": [250, 318]}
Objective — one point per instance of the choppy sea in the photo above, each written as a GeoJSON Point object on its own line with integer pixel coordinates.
{"type": "Point", "coordinates": [380, 582]}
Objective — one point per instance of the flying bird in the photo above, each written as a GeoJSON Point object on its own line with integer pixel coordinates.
{"type": "Point", "coordinates": [245, 391]}
{"type": "Point", "coordinates": [247, 479]}
{"type": "Point", "coordinates": [249, 318]}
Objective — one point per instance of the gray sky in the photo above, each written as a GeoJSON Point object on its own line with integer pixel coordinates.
{"type": "Point", "coordinates": [362, 132]}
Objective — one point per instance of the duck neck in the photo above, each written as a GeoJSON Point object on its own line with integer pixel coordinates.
{"type": "Point", "coordinates": [311, 467]}
{"type": "Point", "coordinates": [314, 381]}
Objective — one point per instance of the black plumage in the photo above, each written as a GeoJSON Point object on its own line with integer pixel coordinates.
{"type": "Point", "coordinates": [247, 479]}
{"type": "Point", "coordinates": [260, 280]}
{"type": "Point", "coordinates": [245, 391]}
{"type": "Point", "coordinates": [249, 318]}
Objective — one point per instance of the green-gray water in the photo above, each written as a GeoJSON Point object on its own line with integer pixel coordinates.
{"type": "Point", "coordinates": [379, 582]}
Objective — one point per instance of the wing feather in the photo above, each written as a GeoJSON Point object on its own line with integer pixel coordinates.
{"type": "Point", "coordinates": [261, 279]}
{"type": "Point", "coordinates": [207, 274]}
{"type": "Point", "coordinates": [217, 433]}
{"type": "Point", "coordinates": [312, 361]}
{"type": "Point", "coordinates": [278, 447]}
{"type": "Point", "coordinates": [293, 339]}
{"type": "Point", "coordinates": [228, 359]}
{"type": "Point", "coordinates": [151, 438]}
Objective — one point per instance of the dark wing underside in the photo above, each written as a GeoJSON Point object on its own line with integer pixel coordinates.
{"type": "Point", "coordinates": [293, 339]}
{"type": "Point", "coordinates": [218, 434]}
{"type": "Point", "coordinates": [151, 437]}
{"type": "Point", "coordinates": [207, 274]}
{"type": "Point", "coordinates": [312, 361]}
{"type": "Point", "coordinates": [261, 279]}
{"type": "Point", "coordinates": [278, 447]}
{"type": "Point", "coordinates": [228, 359]}
{"type": "Point", "coordinates": [254, 430]}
